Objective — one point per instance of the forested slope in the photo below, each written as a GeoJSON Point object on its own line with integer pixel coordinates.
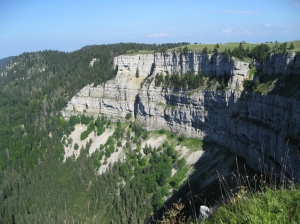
{"type": "Point", "coordinates": [34, 184]}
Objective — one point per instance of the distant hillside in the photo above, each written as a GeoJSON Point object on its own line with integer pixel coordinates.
{"type": "Point", "coordinates": [4, 61]}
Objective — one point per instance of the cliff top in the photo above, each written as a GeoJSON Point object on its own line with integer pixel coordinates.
{"type": "Point", "coordinates": [276, 47]}
{"type": "Point", "coordinates": [231, 46]}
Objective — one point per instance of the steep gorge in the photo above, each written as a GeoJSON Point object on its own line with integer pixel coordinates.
{"type": "Point", "coordinates": [263, 129]}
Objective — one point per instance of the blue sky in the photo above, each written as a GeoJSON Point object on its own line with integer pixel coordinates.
{"type": "Point", "coordinates": [67, 25]}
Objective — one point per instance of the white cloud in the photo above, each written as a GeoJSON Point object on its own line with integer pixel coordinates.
{"type": "Point", "coordinates": [267, 25]}
{"type": "Point", "coordinates": [246, 32]}
{"type": "Point", "coordinates": [159, 35]}
{"type": "Point", "coordinates": [227, 31]}
{"type": "Point", "coordinates": [241, 12]}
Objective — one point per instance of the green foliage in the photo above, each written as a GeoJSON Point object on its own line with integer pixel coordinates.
{"type": "Point", "coordinates": [181, 138]}
{"type": "Point", "coordinates": [76, 147]}
{"type": "Point", "coordinates": [222, 85]}
{"type": "Point", "coordinates": [162, 131]}
{"type": "Point", "coordinates": [128, 116]}
{"type": "Point", "coordinates": [250, 85]}
{"type": "Point", "coordinates": [85, 119]}
{"type": "Point", "coordinates": [159, 79]}
{"type": "Point", "coordinates": [151, 48]}
{"type": "Point", "coordinates": [185, 50]}
{"type": "Point", "coordinates": [137, 129]}
{"type": "Point", "coordinates": [158, 202]}
{"type": "Point", "coordinates": [119, 143]}
{"type": "Point", "coordinates": [260, 52]}
{"type": "Point", "coordinates": [269, 206]}
{"type": "Point", "coordinates": [73, 120]}
{"type": "Point", "coordinates": [215, 51]}
{"type": "Point", "coordinates": [175, 182]}
{"type": "Point", "coordinates": [90, 128]}
{"type": "Point", "coordinates": [181, 163]}
{"type": "Point", "coordinates": [118, 133]}
{"type": "Point", "coordinates": [189, 80]}
{"type": "Point", "coordinates": [100, 125]}
{"type": "Point", "coordinates": [137, 74]}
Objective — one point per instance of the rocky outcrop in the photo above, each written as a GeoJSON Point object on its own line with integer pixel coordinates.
{"type": "Point", "coordinates": [174, 62]}
{"type": "Point", "coordinates": [117, 97]}
{"type": "Point", "coordinates": [255, 127]}
{"type": "Point", "coordinates": [263, 129]}
{"type": "Point", "coordinates": [281, 64]}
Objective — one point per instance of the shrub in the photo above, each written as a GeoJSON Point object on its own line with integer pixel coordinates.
{"type": "Point", "coordinates": [181, 138]}
{"type": "Point", "coordinates": [181, 163]}
{"type": "Point", "coordinates": [128, 116]}
{"type": "Point", "coordinates": [161, 131]}
{"type": "Point", "coordinates": [119, 144]}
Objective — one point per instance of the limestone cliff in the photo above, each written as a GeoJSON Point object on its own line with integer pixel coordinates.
{"type": "Point", "coordinates": [117, 97]}
{"type": "Point", "coordinates": [254, 126]}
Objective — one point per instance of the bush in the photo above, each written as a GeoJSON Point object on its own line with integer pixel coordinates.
{"type": "Point", "coordinates": [181, 138]}
{"type": "Point", "coordinates": [119, 144]}
{"type": "Point", "coordinates": [162, 131]}
{"type": "Point", "coordinates": [128, 116]}
{"type": "Point", "coordinates": [251, 65]}
{"type": "Point", "coordinates": [270, 206]}
{"type": "Point", "coordinates": [76, 146]}
{"type": "Point", "coordinates": [181, 163]}
{"type": "Point", "coordinates": [175, 182]}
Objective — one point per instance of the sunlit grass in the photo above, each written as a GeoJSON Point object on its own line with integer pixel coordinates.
{"type": "Point", "coordinates": [131, 52]}
{"type": "Point", "coordinates": [231, 46]}
{"type": "Point", "coordinates": [267, 206]}
{"type": "Point", "coordinates": [222, 47]}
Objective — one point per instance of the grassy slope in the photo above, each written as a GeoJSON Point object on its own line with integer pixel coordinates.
{"type": "Point", "coordinates": [139, 52]}
{"type": "Point", "coordinates": [269, 206]}
{"type": "Point", "coordinates": [199, 47]}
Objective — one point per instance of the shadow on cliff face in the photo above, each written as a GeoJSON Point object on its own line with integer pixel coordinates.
{"type": "Point", "coordinates": [264, 129]}
{"type": "Point", "coordinates": [202, 186]}
{"type": "Point", "coordinates": [250, 129]}
{"type": "Point", "coordinates": [136, 102]}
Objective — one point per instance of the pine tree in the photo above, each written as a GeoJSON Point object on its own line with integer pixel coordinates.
{"type": "Point", "coordinates": [284, 47]}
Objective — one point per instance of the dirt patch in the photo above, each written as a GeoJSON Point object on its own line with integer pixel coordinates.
{"type": "Point", "coordinates": [154, 141]}
{"type": "Point", "coordinates": [75, 136]}
{"type": "Point", "coordinates": [194, 157]}
{"type": "Point", "coordinates": [101, 139]}
{"type": "Point", "coordinates": [114, 157]}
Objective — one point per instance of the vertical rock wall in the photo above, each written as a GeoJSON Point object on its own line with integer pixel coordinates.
{"type": "Point", "coordinates": [264, 129]}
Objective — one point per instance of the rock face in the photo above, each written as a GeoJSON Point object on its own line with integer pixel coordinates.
{"type": "Point", "coordinates": [118, 96]}
{"type": "Point", "coordinates": [254, 126]}
{"type": "Point", "coordinates": [281, 64]}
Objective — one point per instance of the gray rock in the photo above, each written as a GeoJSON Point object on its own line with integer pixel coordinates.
{"type": "Point", "coordinates": [254, 126]}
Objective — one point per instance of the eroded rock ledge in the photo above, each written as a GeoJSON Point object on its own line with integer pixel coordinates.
{"type": "Point", "coordinates": [254, 126]}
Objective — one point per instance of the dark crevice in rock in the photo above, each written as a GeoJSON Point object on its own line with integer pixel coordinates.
{"type": "Point", "coordinates": [136, 102]}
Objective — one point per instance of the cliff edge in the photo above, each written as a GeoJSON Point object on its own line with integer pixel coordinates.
{"type": "Point", "coordinates": [264, 129]}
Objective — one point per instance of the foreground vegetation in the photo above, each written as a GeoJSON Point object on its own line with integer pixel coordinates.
{"type": "Point", "coordinates": [266, 206]}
